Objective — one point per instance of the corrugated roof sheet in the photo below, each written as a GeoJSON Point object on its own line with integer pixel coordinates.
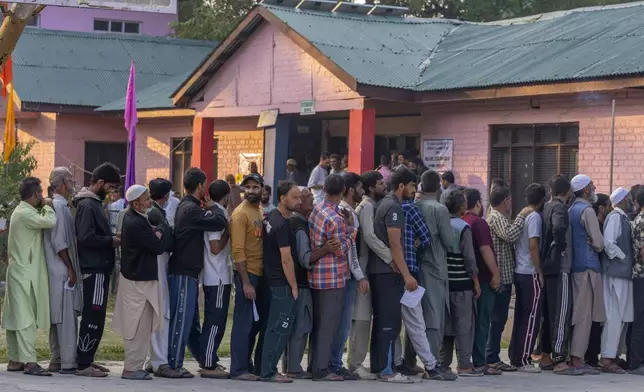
{"type": "Point", "coordinates": [156, 96]}
{"type": "Point", "coordinates": [432, 54]}
{"type": "Point", "coordinates": [91, 69]}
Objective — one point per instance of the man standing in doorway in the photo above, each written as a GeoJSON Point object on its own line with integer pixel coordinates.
{"type": "Point", "coordinates": [617, 273]}
{"type": "Point", "coordinates": [65, 291]}
{"type": "Point", "coordinates": [267, 194]}
{"type": "Point", "coordinates": [585, 248]}
{"type": "Point", "coordinates": [96, 245]}
{"type": "Point", "coordinates": [447, 184]}
{"type": "Point", "coordinates": [336, 164]}
{"type": "Point", "coordinates": [247, 250]}
{"type": "Point", "coordinates": [318, 177]}
{"type": "Point", "coordinates": [328, 276]}
{"type": "Point", "coordinates": [26, 302]}
{"type": "Point", "coordinates": [504, 234]}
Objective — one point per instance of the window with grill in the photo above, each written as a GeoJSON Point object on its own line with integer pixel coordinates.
{"type": "Point", "coordinates": [181, 156]}
{"type": "Point", "coordinates": [117, 26]}
{"type": "Point", "coordinates": [525, 154]}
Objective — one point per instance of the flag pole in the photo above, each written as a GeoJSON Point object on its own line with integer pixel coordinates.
{"type": "Point", "coordinates": [612, 145]}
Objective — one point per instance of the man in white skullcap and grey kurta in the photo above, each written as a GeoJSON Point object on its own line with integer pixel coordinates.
{"type": "Point", "coordinates": [65, 292]}
{"type": "Point", "coordinates": [617, 269]}
{"type": "Point", "coordinates": [139, 305]}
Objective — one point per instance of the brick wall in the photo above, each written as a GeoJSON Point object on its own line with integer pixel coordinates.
{"type": "Point", "coordinates": [232, 143]}
{"type": "Point", "coordinates": [154, 143]}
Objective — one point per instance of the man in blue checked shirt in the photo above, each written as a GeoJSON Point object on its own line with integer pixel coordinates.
{"type": "Point", "coordinates": [416, 239]}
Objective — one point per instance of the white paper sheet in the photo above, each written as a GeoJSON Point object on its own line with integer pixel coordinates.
{"type": "Point", "coordinates": [411, 299]}
{"type": "Point", "coordinates": [255, 314]}
{"type": "Point", "coordinates": [3, 223]}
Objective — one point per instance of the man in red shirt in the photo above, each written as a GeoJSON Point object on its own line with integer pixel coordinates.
{"type": "Point", "coordinates": [489, 277]}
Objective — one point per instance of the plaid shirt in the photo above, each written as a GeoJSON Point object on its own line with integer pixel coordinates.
{"type": "Point", "coordinates": [415, 227]}
{"type": "Point", "coordinates": [638, 243]}
{"type": "Point", "coordinates": [325, 222]}
{"type": "Point", "coordinates": [504, 235]}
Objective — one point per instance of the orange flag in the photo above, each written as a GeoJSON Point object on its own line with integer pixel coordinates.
{"type": "Point", "coordinates": [9, 127]}
{"type": "Point", "coordinates": [7, 75]}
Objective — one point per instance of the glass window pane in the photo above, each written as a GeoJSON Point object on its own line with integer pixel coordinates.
{"type": "Point", "coordinates": [101, 25]}
{"type": "Point", "coordinates": [132, 27]}
{"type": "Point", "coordinates": [116, 27]}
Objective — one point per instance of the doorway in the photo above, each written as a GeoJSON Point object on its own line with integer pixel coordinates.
{"type": "Point", "coordinates": [99, 152]}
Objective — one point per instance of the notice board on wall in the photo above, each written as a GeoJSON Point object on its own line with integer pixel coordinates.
{"type": "Point", "coordinates": [438, 154]}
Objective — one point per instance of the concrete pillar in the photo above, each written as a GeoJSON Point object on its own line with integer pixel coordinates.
{"type": "Point", "coordinates": [276, 153]}
{"type": "Point", "coordinates": [362, 139]}
{"type": "Point", "coordinates": [203, 144]}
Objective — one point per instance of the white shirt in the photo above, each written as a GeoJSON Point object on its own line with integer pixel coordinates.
{"type": "Point", "coordinates": [171, 208]}
{"type": "Point", "coordinates": [318, 176]}
{"type": "Point", "coordinates": [113, 210]}
{"type": "Point", "coordinates": [612, 231]}
{"type": "Point", "coordinates": [531, 229]}
{"type": "Point", "coordinates": [216, 269]}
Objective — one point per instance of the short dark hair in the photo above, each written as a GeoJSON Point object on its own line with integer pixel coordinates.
{"type": "Point", "coordinates": [324, 155]}
{"type": "Point", "coordinates": [635, 191]}
{"type": "Point", "coordinates": [193, 178]}
{"type": "Point", "coordinates": [159, 188]}
{"type": "Point", "coordinates": [430, 181]}
{"type": "Point", "coordinates": [640, 198]}
{"type": "Point", "coordinates": [218, 190]}
{"type": "Point", "coordinates": [603, 200]}
{"type": "Point", "coordinates": [107, 172]}
{"type": "Point", "coordinates": [351, 180]}
{"type": "Point", "coordinates": [454, 201]}
{"type": "Point", "coordinates": [535, 193]}
{"type": "Point", "coordinates": [448, 176]}
{"type": "Point", "coordinates": [559, 185]}
{"type": "Point", "coordinates": [336, 156]}
{"type": "Point", "coordinates": [28, 187]}
{"type": "Point", "coordinates": [402, 176]}
{"type": "Point", "coordinates": [334, 184]}
{"type": "Point", "coordinates": [370, 179]}
{"type": "Point", "coordinates": [473, 196]}
{"type": "Point", "coordinates": [268, 189]}
{"type": "Point", "coordinates": [497, 182]}
{"type": "Point", "coordinates": [385, 160]}
{"type": "Point", "coordinates": [284, 187]}
{"type": "Point", "coordinates": [498, 194]}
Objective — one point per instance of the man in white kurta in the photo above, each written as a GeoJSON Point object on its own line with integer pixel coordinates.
{"type": "Point", "coordinates": [617, 267]}
{"type": "Point", "coordinates": [65, 293]}
{"type": "Point", "coordinates": [26, 303]}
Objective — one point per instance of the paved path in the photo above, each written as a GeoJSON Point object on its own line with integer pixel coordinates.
{"type": "Point", "coordinates": [513, 382]}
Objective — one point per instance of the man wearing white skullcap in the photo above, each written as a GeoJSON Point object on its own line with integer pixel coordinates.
{"type": "Point", "coordinates": [617, 270]}
{"type": "Point", "coordinates": [585, 248]}
{"type": "Point", "coordinates": [139, 308]}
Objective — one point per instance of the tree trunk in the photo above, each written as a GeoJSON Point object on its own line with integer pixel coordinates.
{"type": "Point", "coordinates": [12, 27]}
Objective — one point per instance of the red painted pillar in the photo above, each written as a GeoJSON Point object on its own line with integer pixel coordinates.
{"type": "Point", "coordinates": [362, 139]}
{"type": "Point", "coordinates": [203, 144]}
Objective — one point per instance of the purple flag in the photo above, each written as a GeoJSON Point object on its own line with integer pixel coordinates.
{"type": "Point", "coordinates": [130, 124]}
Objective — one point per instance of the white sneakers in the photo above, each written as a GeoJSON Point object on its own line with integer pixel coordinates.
{"type": "Point", "coordinates": [364, 373]}
{"type": "Point", "coordinates": [529, 369]}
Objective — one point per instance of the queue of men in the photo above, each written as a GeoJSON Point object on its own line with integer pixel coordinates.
{"type": "Point", "coordinates": [348, 260]}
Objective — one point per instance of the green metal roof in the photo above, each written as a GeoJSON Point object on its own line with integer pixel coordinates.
{"type": "Point", "coordinates": [156, 96]}
{"type": "Point", "coordinates": [433, 54]}
{"type": "Point", "coordinates": [92, 69]}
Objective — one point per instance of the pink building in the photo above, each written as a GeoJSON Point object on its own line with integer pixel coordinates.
{"type": "Point", "coordinates": [520, 100]}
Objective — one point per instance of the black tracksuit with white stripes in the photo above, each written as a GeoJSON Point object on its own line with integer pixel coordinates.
{"type": "Point", "coordinates": [217, 299]}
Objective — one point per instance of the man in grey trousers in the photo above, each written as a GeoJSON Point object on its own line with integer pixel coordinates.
{"type": "Point", "coordinates": [433, 261]}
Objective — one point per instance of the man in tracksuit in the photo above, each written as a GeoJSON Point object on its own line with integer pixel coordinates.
{"type": "Point", "coordinates": [96, 255]}
{"type": "Point", "coordinates": [186, 263]}
{"type": "Point", "coordinates": [557, 288]}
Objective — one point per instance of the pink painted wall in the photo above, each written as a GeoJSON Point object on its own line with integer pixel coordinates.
{"type": "Point", "coordinates": [82, 19]}
{"type": "Point", "coordinates": [271, 71]}
{"type": "Point", "coordinates": [154, 142]}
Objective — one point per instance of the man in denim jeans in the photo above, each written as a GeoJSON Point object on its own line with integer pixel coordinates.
{"type": "Point", "coordinates": [504, 234]}
{"type": "Point", "coordinates": [280, 274]}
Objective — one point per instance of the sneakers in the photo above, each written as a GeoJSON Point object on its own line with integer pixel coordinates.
{"type": "Point", "coordinates": [348, 375]}
{"type": "Point", "coordinates": [218, 373]}
{"type": "Point", "coordinates": [437, 374]}
{"type": "Point", "coordinates": [396, 378]}
{"type": "Point", "coordinates": [408, 370]}
{"type": "Point", "coordinates": [364, 374]}
{"type": "Point", "coordinates": [529, 369]}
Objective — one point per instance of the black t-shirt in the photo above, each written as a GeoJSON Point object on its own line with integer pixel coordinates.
{"type": "Point", "coordinates": [388, 214]}
{"type": "Point", "coordinates": [277, 232]}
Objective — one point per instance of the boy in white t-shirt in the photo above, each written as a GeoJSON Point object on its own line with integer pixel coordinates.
{"type": "Point", "coordinates": [216, 287]}
{"type": "Point", "coordinates": [528, 281]}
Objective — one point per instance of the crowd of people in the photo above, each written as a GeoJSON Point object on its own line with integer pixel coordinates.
{"type": "Point", "coordinates": [346, 260]}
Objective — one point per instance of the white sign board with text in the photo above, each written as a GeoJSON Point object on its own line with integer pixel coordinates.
{"type": "Point", "coordinates": [438, 154]}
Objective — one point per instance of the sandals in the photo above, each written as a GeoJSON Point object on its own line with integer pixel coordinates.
{"type": "Point", "coordinates": [139, 375]}
{"type": "Point", "coordinates": [15, 366]}
{"type": "Point", "coordinates": [245, 377]}
{"type": "Point", "coordinates": [90, 372]}
{"type": "Point", "coordinates": [165, 371]}
{"type": "Point", "coordinates": [470, 373]}
{"type": "Point", "coordinates": [490, 371]}
{"type": "Point", "coordinates": [502, 366]}
{"type": "Point", "coordinates": [568, 371]}
{"type": "Point", "coordinates": [36, 370]}
{"type": "Point", "coordinates": [278, 378]}
{"type": "Point", "coordinates": [99, 367]}
{"type": "Point", "coordinates": [611, 368]}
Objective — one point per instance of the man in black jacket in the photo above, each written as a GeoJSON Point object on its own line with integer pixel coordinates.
{"type": "Point", "coordinates": [139, 308]}
{"type": "Point", "coordinates": [96, 255]}
{"type": "Point", "coordinates": [557, 289]}
{"type": "Point", "coordinates": [190, 224]}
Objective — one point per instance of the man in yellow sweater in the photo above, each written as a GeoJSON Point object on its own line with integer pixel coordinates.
{"type": "Point", "coordinates": [247, 251]}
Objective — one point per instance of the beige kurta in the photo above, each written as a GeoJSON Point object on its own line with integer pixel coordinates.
{"type": "Point", "coordinates": [27, 279]}
{"type": "Point", "coordinates": [131, 298]}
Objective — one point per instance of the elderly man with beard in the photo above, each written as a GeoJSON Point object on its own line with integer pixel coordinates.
{"type": "Point", "coordinates": [62, 264]}
{"type": "Point", "coordinates": [585, 247]}
{"type": "Point", "coordinates": [248, 255]}
{"type": "Point", "coordinates": [139, 308]}
{"type": "Point", "coordinates": [96, 254]}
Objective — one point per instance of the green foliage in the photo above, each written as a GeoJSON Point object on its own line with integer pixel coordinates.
{"type": "Point", "coordinates": [21, 164]}
{"type": "Point", "coordinates": [209, 19]}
